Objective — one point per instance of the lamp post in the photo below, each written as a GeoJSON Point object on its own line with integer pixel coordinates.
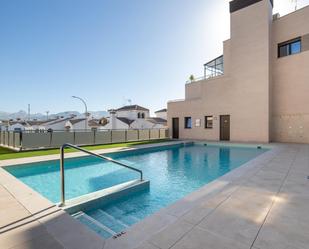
{"type": "Point", "coordinates": [86, 112]}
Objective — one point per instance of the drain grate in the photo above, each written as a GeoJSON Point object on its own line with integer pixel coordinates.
{"type": "Point", "coordinates": [118, 235]}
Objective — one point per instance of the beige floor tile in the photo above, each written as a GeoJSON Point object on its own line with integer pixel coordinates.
{"type": "Point", "coordinates": [238, 218]}
{"type": "Point", "coordinates": [296, 187]}
{"type": "Point", "coordinates": [283, 233]}
{"type": "Point", "coordinates": [42, 242]}
{"type": "Point", "coordinates": [72, 234]}
{"type": "Point", "coordinates": [147, 245]}
{"type": "Point", "coordinates": [170, 235]}
{"type": "Point", "coordinates": [17, 235]}
{"type": "Point", "coordinates": [12, 213]}
{"type": "Point", "coordinates": [197, 214]}
{"type": "Point", "coordinates": [201, 239]}
{"type": "Point", "coordinates": [141, 231]}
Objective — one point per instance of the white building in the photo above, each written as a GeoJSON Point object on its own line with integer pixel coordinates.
{"type": "Point", "coordinates": [21, 125]}
{"type": "Point", "coordinates": [18, 126]}
{"type": "Point", "coordinates": [58, 124]}
{"type": "Point", "coordinates": [4, 125]}
{"type": "Point", "coordinates": [161, 114]}
{"type": "Point", "coordinates": [132, 112]}
{"type": "Point", "coordinates": [133, 117]}
{"type": "Point", "coordinates": [77, 124]}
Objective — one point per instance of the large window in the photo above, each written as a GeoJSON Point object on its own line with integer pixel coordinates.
{"type": "Point", "coordinates": [289, 47]}
{"type": "Point", "coordinates": [188, 122]}
{"type": "Point", "coordinates": [209, 122]}
{"type": "Point", "coordinates": [214, 68]}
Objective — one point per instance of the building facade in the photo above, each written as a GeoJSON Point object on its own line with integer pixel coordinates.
{"type": "Point", "coordinates": [257, 91]}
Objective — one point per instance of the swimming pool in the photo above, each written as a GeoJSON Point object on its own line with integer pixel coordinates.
{"type": "Point", "coordinates": [173, 171]}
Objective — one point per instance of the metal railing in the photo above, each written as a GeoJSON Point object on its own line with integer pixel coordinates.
{"type": "Point", "coordinates": [203, 78]}
{"type": "Point", "coordinates": [92, 154]}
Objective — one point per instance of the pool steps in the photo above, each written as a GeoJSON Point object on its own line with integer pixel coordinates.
{"type": "Point", "coordinates": [112, 220]}
{"type": "Point", "coordinates": [95, 225]}
{"type": "Point", "coordinates": [105, 196]}
{"type": "Point", "coordinates": [106, 222]}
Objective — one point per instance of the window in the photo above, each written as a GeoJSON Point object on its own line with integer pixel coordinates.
{"type": "Point", "coordinates": [289, 48]}
{"type": "Point", "coordinates": [209, 122]}
{"type": "Point", "coordinates": [138, 115]}
{"type": "Point", "coordinates": [188, 123]}
{"type": "Point", "coordinates": [214, 68]}
{"type": "Point", "coordinates": [143, 115]}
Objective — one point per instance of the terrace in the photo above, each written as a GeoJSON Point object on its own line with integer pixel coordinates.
{"type": "Point", "coordinates": [213, 68]}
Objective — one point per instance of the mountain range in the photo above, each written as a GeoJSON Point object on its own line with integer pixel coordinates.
{"type": "Point", "coordinates": [23, 115]}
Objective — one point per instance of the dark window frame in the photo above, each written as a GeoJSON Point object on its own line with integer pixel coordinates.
{"type": "Point", "coordinates": [206, 123]}
{"type": "Point", "coordinates": [289, 44]}
{"type": "Point", "coordinates": [185, 123]}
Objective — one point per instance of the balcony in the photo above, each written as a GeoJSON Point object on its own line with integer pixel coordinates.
{"type": "Point", "coordinates": [212, 69]}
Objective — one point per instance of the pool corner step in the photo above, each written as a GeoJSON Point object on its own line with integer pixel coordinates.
{"type": "Point", "coordinates": [105, 196]}
{"type": "Point", "coordinates": [109, 220]}
{"type": "Point", "coordinates": [95, 225]}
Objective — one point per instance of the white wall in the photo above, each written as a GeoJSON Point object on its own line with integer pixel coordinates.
{"type": "Point", "coordinates": [118, 125]}
{"type": "Point", "coordinates": [131, 114]}
{"type": "Point", "coordinates": [16, 127]}
{"type": "Point", "coordinates": [57, 126]}
{"type": "Point", "coordinates": [161, 115]}
{"type": "Point", "coordinates": [145, 124]}
{"type": "Point", "coordinates": [77, 126]}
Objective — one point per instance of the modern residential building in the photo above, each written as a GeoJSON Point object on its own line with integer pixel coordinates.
{"type": "Point", "coordinates": [133, 117]}
{"type": "Point", "coordinates": [258, 90]}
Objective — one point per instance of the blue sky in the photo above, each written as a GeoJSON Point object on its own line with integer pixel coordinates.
{"type": "Point", "coordinates": [106, 51]}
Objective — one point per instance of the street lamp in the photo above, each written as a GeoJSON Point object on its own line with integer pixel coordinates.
{"type": "Point", "coordinates": [86, 112]}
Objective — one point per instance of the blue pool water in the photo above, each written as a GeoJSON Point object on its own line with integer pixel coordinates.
{"type": "Point", "coordinates": [173, 171]}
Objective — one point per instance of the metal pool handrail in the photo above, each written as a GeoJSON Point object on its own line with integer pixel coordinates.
{"type": "Point", "coordinates": [92, 154]}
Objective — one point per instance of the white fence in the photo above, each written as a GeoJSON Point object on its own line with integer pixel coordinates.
{"type": "Point", "coordinates": [37, 140]}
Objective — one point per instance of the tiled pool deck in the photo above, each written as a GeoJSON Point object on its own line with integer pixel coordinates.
{"type": "Point", "coordinates": [261, 205]}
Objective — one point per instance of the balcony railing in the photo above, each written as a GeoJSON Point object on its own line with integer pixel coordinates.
{"type": "Point", "coordinates": [212, 69]}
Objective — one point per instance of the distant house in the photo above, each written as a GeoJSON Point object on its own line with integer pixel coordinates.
{"type": "Point", "coordinates": [19, 126]}
{"type": "Point", "coordinates": [132, 112]}
{"type": "Point", "coordinates": [23, 125]}
{"type": "Point", "coordinates": [36, 125]}
{"type": "Point", "coordinates": [157, 122]}
{"type": "Point", "coordinates": [161, 114]}
{"type": "Point", "coordinates": [133, 117]}
{"type": "Point", "coordinates": [58, 124]}
{"type": "Point", "coordinates": [95, 124]}
{"type": "Point", "coordinates": [77, 124]}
